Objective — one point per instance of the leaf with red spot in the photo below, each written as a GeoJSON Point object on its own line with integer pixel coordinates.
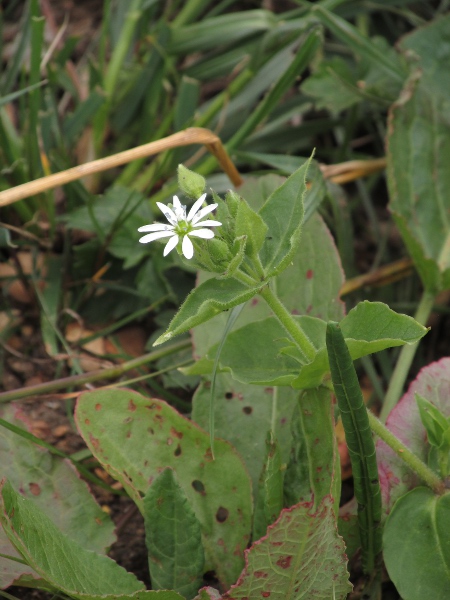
{"type": "Point", "coordinates": [396, 478]}
{"type": "Point", "coordinates": [55, 487]}
{"type": "Point", "coordinates": [135, 438]}
{"type": "Point", "coordinates": [301, 557]}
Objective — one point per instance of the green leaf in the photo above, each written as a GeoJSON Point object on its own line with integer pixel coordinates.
{"type": "Point", "coordinates": [313, 471]}
{"type": "Point", "coordinates": [302, 556]}
{"type": "Point", "coordinates": [270, 493]}
{"type": "Point", "coordinates": [417, 545]}
{"type": "Point", "coordinates": [249, 223]}
{"type": "Point", "coordinates": [283, 214]}
{"type": "Point", "coordinates": [173, 538]}
{"type": "Point", "coordinates": [433, 420]}
{"type": "Point", "coordinates": [360, 445]}
{"type": "Point", "coordinates": [369, 327]}
{"type": "Point", "coordinates": [418, 154]}
{"type": "Point", "coordinates": [134, 438]}
{"type": "Point", "coordinates": [55, 487]}
{"type": "Point", "coordinates": [58, 559]}
{"type": "Point", "coordinates": [205, 302]}
{"type": "Point", "coordinates": [244, 414]}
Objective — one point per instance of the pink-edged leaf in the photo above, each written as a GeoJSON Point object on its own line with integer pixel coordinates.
{"type": "Point", "coordinates": [208, 593]}
{"type": "Point", "coordinates": [396, 478]}
{"type": "Point", "coordinates": [301, 557]}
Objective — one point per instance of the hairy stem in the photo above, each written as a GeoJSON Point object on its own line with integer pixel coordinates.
{"type": "Point", "coordinates": [289, 323]}
{"type": "Point", "coordinates": [417, 465]}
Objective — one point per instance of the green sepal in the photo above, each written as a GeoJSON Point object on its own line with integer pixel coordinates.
{"type": "Point", "coordinates": [192, 184]}
{"type": "Point", "coordinates": [236, 261]}
{"type": "Point", "coordinates": [205, 302]}
{"type": "Point", "coordinates": [249, 223]}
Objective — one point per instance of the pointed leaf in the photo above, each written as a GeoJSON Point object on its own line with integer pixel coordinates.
{"type": "Point", "coordinates": [58, 559]}
{"type": "Point", "coordinates": [134, 438]}
{"type": "Point", "coordinates": [173, 538]}
{"type": "Point", "coordinates": [301, 557]}
{"type": "Point", "coordinates": [283, 214]}
{"type": "Point", "coordinates": [205, 302]}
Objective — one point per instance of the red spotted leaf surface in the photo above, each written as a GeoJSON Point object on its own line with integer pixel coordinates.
{"type": "Point", "coordinates": [54, 486]}
{"type": "Point", "coordinates": [301, 557]}
{"type": "Point", "coordinates": [135, 438]}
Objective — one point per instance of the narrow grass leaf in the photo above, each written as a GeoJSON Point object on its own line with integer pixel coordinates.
{"type": "Point", "coordinates": [360, 445]}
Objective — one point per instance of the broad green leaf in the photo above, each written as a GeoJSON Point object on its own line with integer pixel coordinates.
{"type": "Point", "coordinates": [205, 302]}
{"type": "Point", "coordinates": [173, 537]}
{"type": "Point", "coordinates": [417, 545]}
{"type": "Point", "coordinates": [55, 487]}
{"type": "Point", "coordinates": [418, 153]}
{"type": "Point", "coordinates": [369, 327]}
{"type": "Point", "coordinates": [270, 494]}
{"type": "Point", "coordinates": [249, 223]}
{"type": "Point", "coordinates": [360, 445]}
{"type": "Point", "coordinates": [313, 471]}
{"type": "Point", "coordinates": [310, 286]}
{"type": "Point", "coordinates": [134, 438]}
{"type": "Point", "coordinates": [302, 556]}
{"type": "Point", "coordinates": [58, 559]}
{"type": "Point", "coordinates": [396, 478]}
{"type": "Point", "coordinates": [243, 416]}
{"type": "Point", "coordinates": [283, 214]}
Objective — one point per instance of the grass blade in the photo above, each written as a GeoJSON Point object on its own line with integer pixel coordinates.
{"type": "Point", "coordinates": [360, 445]}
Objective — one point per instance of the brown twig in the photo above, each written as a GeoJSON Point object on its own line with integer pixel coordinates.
{"type": "Point", "coordinates": [193, 135]}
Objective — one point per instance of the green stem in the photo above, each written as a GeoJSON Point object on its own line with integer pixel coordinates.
{"type": "Point", "coordinates": [405, 359]}
{"type": "Point", "coordinates": [289, 323]}
{"type": "Point", "coordinates": [417, 465]}
{"type": "Point", "coordinates": [111, 373]}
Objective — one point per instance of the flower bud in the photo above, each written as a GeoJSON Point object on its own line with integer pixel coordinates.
{"type": "Point", "coordinates": [192, 184]}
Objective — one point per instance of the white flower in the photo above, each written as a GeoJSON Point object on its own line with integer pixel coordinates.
{"type": "Point", "coordinates": [181, 226]}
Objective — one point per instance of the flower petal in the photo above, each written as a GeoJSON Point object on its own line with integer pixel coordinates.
{"type": "Point", "coordinates": [187, 247]}
{"type": "Point", "coordinates": [206, 234]}
{"type": "Point", "coordinates": [150, 237]}
{"type": "Point", "coordinates": [170, 245]}
{"type": "Point", "coordinates": [168, 213]}
{"type": "Point", "coordinates": [206, 223]}
{"type": "Point", "coordinates": [195, 207]}
{"type": "Point", "coordinates": [179, 209]}
{"type": "Point", "coordinates": [156, 227]}
{"type": "Point", "coordinates": [203, 212]}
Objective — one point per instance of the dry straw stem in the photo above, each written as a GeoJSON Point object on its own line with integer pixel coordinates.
{"type": "Point", "coordinates": [193, 135]}
{"type": "Point", "coordinates": [352, 169]}
{"type": "Point", "coordinates": [379, 277]}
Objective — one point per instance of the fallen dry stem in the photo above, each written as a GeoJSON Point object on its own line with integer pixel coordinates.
{"type": "Point", "coordinates": [193, 135]}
